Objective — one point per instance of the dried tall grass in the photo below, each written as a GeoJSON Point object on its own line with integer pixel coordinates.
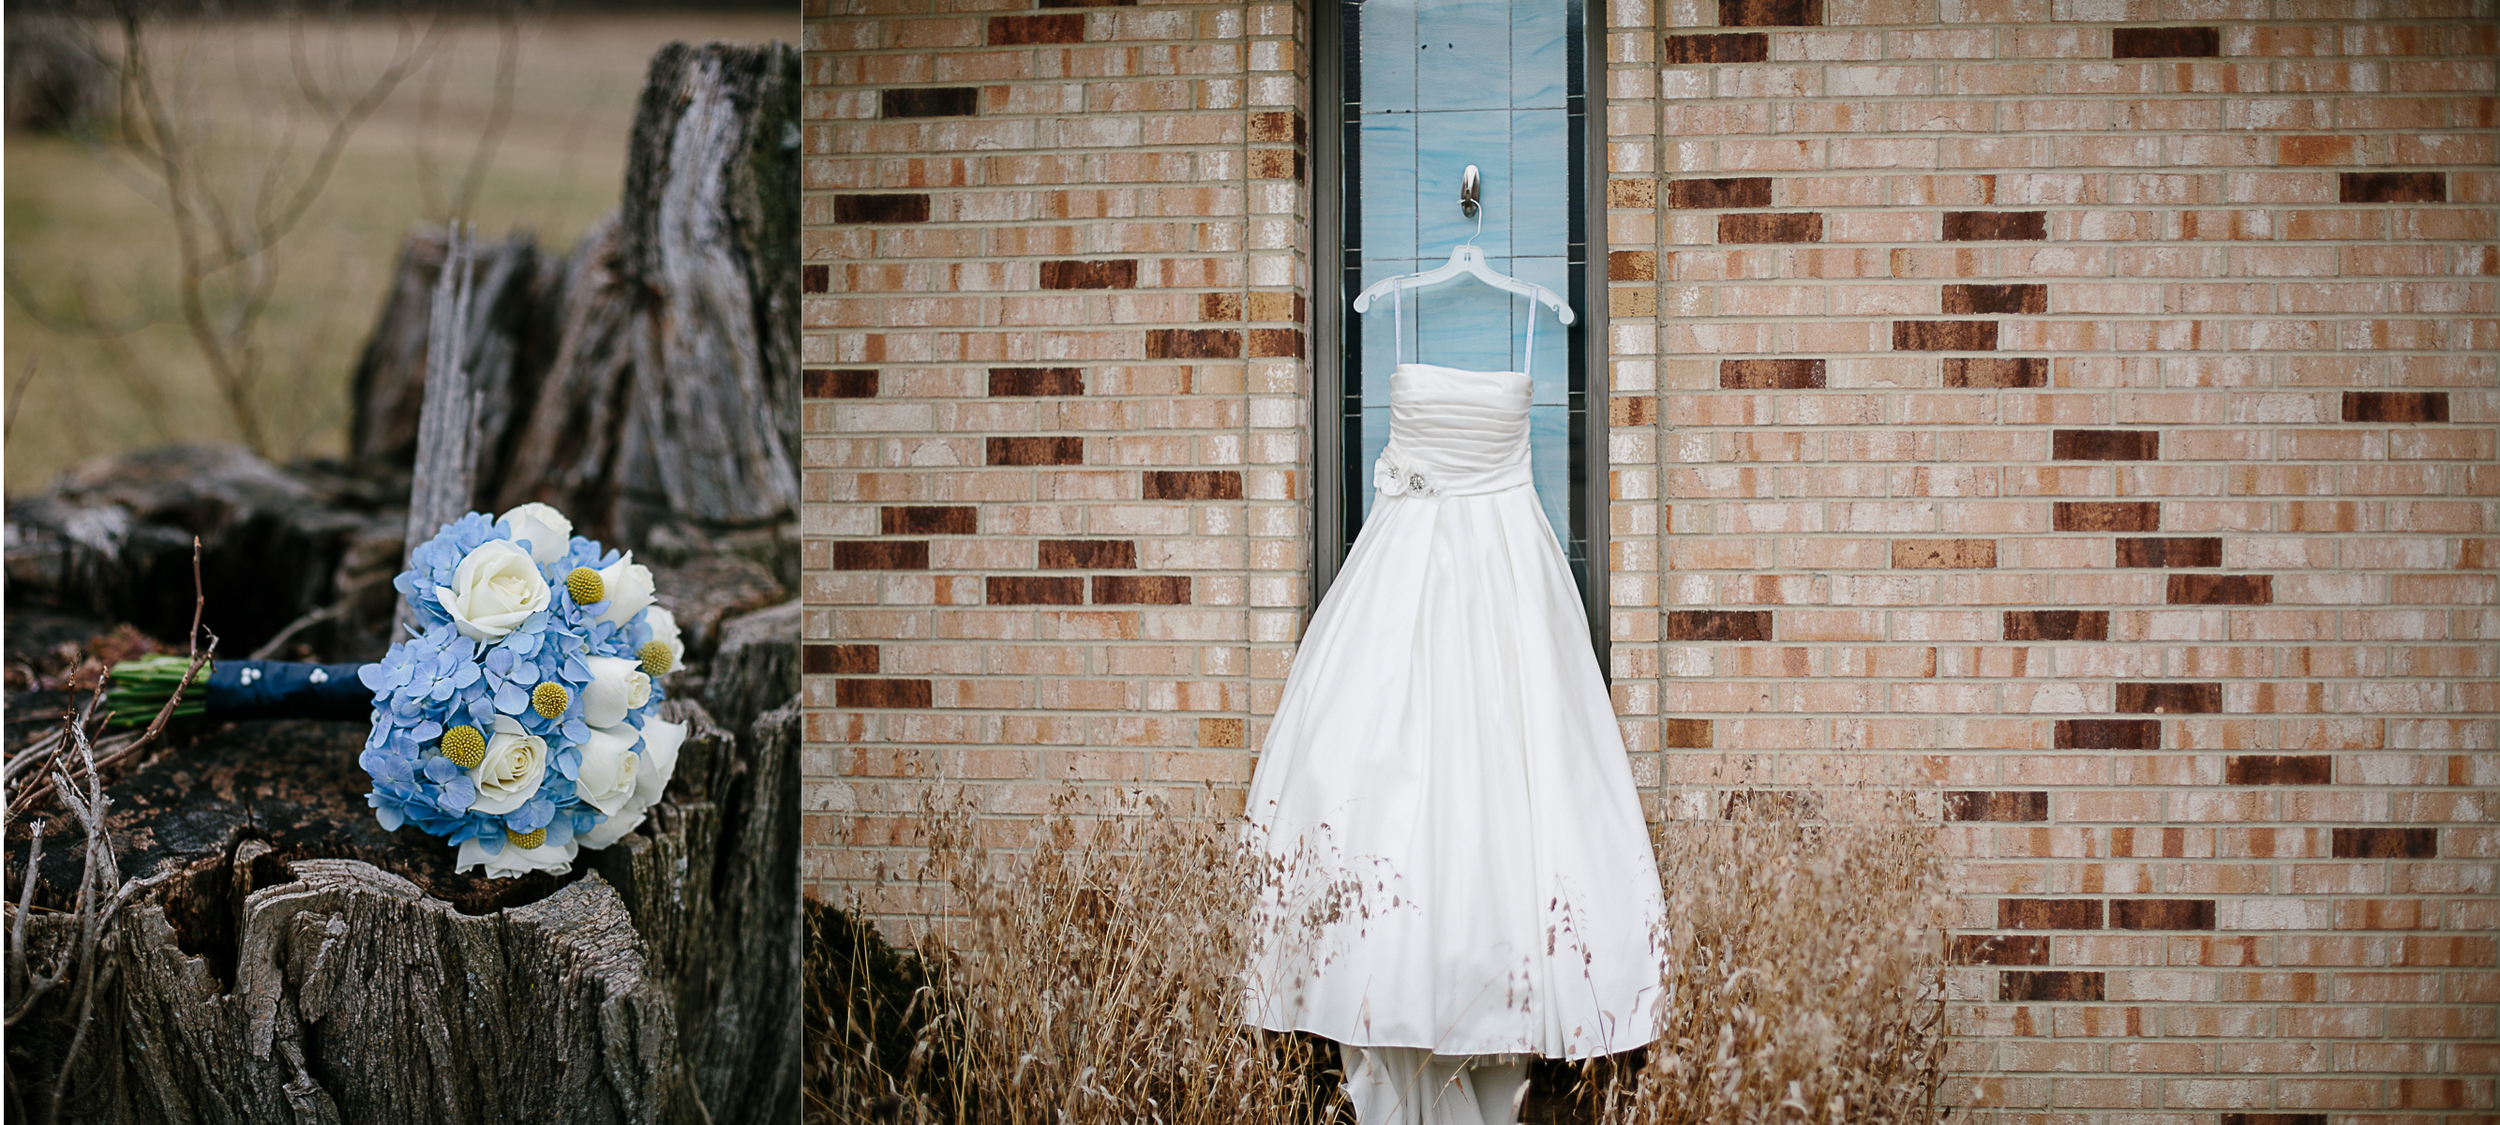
{"type": "Point", "coordinates": [1091, 980]}
{"type": "Point", "coordinates": [1094, 978]}
{"type": "Point", "coordinates": [1806, 946]}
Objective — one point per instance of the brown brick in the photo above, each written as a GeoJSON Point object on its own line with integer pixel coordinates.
{"type": "Point", "coordinates": [2169, 552]}
{"type": "Point", "coordinates": [1720, 194]}
{"type": "Point", "coordinates": [838, 660]}
{"type": "Point", "coordinates": [2161, 914]}
{"type": "Point", "coordinates": [1115, 273]}
{"type": "Point", "coordinates": [1632, 265]}
{"type": "Point", "coordinates": [2395, 406]}
{"type": "Point", "coordinates": [1718, 625]}
{"type": "Point", "coordinates": [1944, 335]}
{"type": "Point", "coordinates": [2057, 624]}
{"type": "Point", "coordinates": [1036, 451]}
{"type": "Point", "coordinates": [2000, 949]}
{"type": "Point", "coordinates": [2106, 445]}
{"type": "Point", "coordinates": [2386, 843]}
{"type": "Point", "coordinates": [1638, 194]}
{"type": "Point", "coordinates": [1024, 31]}
{"type": "Point", "coordinates": [2043, 985]}
{"type": "Point", "coordinates": [1770, 374]}
{"type": "Point", "coordinates": [2169, 698]}
{"type": "Point", "coordinates": [2048, 914]}
{"type": "Point", "coordinates": [957, 520]}
{"type": "Point", "coordinates": [2165, 43]}
{"type": "Point", "coordinates": [1023, 590]}
{"type": "Point", "coordinates": [1963, 299]}
{"type": "Point", "coordinates": [2108, 515]}
{"type": "Point", "coordinates": [1279, 127]}
{"type": "Point", "coordinates": [1770, 13]}
{"type": "Point", "coordinates": [895, 694]}
{"type": "Point", "coordinates": [1022, 382]}
{"type": "Point", "coordinates": [2278, 769]}
{"type": "Point", "coordinates": [1194, 484]}
{"type": "Point", "coordinates": [930, 101]}
{"type": "Point", "coordinates": [1223, 732]}
{"type": "Point", "coordinates": [1088, 4]}
{"type": "Point", "coordinates": [881, 208]}
{"type": "Point", "coordinates": [1995, 226]}
{"type": "Point", "coordinates": [1686, 50]}
{"type": "Point", "coordinates": [2221, 589]}
{"type": "Point", "coordinates": [1685, 734]}
{"type": "Point", "coordinates": [815, 279]}
{"type": "Point", "coordinates": [1991, 371]}
{"type": "Point", "coordinates": [1275, 343]}
{"type": "Point", "coordinates": [1778, 226]}
{"type": "Point", "coordinates": [2392, 187]}
{"type": "Point", "coordinates": [1632, 410]}
{"type": "Point", "coordinates": [2109, 734]}
{"type": "Point", "coordinates": [1944, 554]}
{"type": "Point", "coordinates": [1193, 343]}
{"type": "Point", "coordinates": [1088, 554]}
{"type": "Point", "coordinates": [819, 382]}
{"type": "Point", "coordinates": [1272, 306]}
{"type": "Point", "coordinates": [1275, 164]}
{"type": "Point", "coordinates": [1141, 589]}
{"type": "Point", "coordinates": [881, 554]}
{"type": "Point", "coordinates": [2274, 1119]}
{"type": "Point", "coordinates": [2018, 805]}
{"type": "Point", "coordinates": [1219, 306]}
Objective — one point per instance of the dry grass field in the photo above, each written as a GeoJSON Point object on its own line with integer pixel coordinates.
{"type": "Point", "coordinates": [86, 239]}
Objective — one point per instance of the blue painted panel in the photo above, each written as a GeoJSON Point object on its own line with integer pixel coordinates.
{"type": "Point", "coordinates": [1388, 185]}
{"type": "Point", "coordinates": [1445, 144]}
{"type": "Point", "coordinates": [1540, 192]}
{"type": "Point", "coordinates": [1388, 45]}
{"type": "Point", "coordinates": [1380, 350]}
{"type": "Point", "coordinates": [1538, 57]}
{"type": "Point", "coordinates": [1462, 60]}
{"type": "Point", "coordinates": [1551, 373]}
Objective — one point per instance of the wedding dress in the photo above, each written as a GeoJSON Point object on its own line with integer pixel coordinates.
{"type": "Point", "coordinates": [1445, 745]}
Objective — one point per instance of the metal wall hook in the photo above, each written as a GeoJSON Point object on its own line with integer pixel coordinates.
{"type": "Point", "coordinates": [1470, 189]}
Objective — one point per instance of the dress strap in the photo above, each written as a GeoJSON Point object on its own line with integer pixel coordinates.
{"type": "Point", "coordinates": [1528, 358]}
{"type": "Point", "coordinates": [1397, 322]}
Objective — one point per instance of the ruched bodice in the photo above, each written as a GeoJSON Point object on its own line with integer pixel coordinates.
{"type": "Point", "coordinates": [1454, 432]}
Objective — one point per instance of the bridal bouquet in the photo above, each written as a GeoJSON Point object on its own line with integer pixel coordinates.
{"type": "Point", "coordinates": [518, 724]}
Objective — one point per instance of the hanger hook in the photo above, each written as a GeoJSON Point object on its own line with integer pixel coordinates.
{"type": "Point", "coordinates": [1471, 199]}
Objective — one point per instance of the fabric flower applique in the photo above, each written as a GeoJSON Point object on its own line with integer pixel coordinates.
{"type": "Point", "coordinates": [1395, 475]}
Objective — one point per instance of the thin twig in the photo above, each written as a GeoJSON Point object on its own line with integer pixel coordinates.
{"type": "Point", "coordinates": [277, 643]}
{"type": "Point", "coordinates": [17, 398]}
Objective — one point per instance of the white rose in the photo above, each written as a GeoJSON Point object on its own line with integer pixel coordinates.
{"type": "Point", "coordinates": [515, 859]}
{"type": "Point", "coordinates": [493, 591]}
{"type": "Point", "coordinates": [664, 630]}
{"type": "Point", "coordinates": [629, 589]}
{"type": "Point", "coordinates": [606, 781]}
{"type": "Point", "coordinates": [660, 740]}
{"type": "Point", "coordinates": [617, 685]}
{"type": "Point", "coordinates": [543, 528]}
{"type": "Point", "coordinates": [508, 776]}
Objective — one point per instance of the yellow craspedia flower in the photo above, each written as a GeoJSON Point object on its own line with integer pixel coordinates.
{"type": "Point", "coordinates": [464, 746]}
{"type": "Point", "coordinates": [551, 699]}
{"type": "Point", "coordinates": [585, 586]}
{"type": "Point", "coordinates": [526, 839]}
{"type": "Point", "coordinates": [657, 658]}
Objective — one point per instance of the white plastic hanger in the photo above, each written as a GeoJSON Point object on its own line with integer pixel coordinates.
{"type": "Point", "coordinates": [1468, 260]}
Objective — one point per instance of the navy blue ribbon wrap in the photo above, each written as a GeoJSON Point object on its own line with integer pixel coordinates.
{"type": "Point", "coordinates": [279, 689]}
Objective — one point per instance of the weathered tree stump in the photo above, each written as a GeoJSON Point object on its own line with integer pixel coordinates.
{"type": "Point", "coordinates": [290, 961]}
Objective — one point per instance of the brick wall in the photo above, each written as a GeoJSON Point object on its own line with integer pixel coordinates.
{"type": "Point", "coordinates": [2086, 408]}
{"type": "Point", "coordinates": [1057, 279]}
{"type": "Point", "coordinates": [2088, 405]}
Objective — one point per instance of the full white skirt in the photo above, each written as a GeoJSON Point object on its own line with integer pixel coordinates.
{"type": "Point", "coordinates": [1445, 743]}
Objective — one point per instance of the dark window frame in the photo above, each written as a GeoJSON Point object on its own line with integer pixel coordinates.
{"type": "Point", "coordinates": [1333, 137]}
